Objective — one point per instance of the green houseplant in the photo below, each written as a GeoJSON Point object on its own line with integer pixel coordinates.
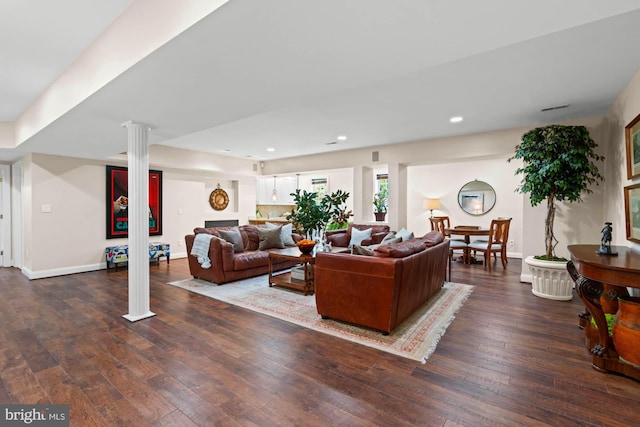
{"type": "Point", "coordinates": [380, 204]}
{"type": "Point", "coordinates": [558, 165]}
{"type": "Point", "coordinates": [312, 213]}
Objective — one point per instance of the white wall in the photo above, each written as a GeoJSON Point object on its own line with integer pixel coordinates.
{"type": "Point", "coordinates": [72, 236]}
{"type": "Point", "coordinates": [443, 181]}
{"type": "Point", "coordinates": [622, 112]}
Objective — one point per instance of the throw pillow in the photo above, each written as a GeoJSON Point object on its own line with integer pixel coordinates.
{"type": "Point", "coordinates": [390, 236]}
{"type": "Point", "coordinates": [391, 241]}
{"type": "Point", "coordinates": [234, 237]}
{"type": "Point", "coordinates": [357, 236]}
{"type": "Point", "coordinates": [270, 238]}
{"type": "Point", "coordinates": [405, 234]}
{"type": "Point", "coordinates": [361, 250]}
{"type": "Point", "coordinates": [285, 234]}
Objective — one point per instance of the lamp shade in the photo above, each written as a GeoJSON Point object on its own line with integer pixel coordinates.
{"type": "Point", "coordinates": [431, 204]}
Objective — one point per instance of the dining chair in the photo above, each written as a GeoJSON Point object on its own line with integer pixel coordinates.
{"type": "Point", "coordinates": [441, 224]}
{"type": "Point", "coordinates": [497, 242]}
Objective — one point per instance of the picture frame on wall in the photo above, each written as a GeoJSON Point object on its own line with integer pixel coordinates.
{"type": "Point", "coordinates": [632, 212]}
{"type": "Point", "coordinates": [117, 202]}
{"type": "Point", "coordinates": [632, 138]}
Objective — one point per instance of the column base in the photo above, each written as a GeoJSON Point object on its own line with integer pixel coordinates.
{"type": "Point", "coordinates": [132, 318]}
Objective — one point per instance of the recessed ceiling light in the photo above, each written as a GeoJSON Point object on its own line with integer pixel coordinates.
{"type": "Point", "coordinates": [341, 138]}
{"type": "Point", "coordinates": [271, 149]}
{"type": "Point", "coordinates": [455, 119]}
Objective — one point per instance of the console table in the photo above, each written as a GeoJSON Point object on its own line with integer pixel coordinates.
{"type": "Point", "coordinates": [600, 279]}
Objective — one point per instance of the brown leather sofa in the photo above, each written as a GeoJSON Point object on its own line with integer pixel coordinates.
{"type": "Point", "coordinates": [226, 264]}
{"type": "Point", "coordinates": [341, 238]}
{"type": "Point", "coordinates": [381, 291]}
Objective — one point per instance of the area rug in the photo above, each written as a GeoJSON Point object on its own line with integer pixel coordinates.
{"type": "Point", "coordinates": [416, 338]}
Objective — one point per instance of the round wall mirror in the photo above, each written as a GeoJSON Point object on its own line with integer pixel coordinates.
{"type": "Point", "coordinates": [476, 197]}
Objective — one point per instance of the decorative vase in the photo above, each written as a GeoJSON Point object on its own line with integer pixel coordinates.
{"type": "Point", "coordinates": [626, 330]}
{"type": "Point", "coordinates": [380, 216]}
{"type": "Point", "coordinates": [551, 279]}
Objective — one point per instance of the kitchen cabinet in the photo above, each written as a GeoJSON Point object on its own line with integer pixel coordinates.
{"type": "Point", "coordinates": [285, 185]}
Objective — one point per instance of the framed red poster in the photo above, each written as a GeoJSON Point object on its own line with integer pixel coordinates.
{"type": "Point", "coordinates": [118, 202]}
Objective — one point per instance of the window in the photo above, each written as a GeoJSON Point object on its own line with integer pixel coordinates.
{"type": "Point", "coordinates": [382, 183]}
{"type": "Point", "coordinates": [320, 187]}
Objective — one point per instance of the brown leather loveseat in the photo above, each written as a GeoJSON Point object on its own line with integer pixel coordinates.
{"type": "Point", "coordinates": [228, 264]}
{"type": "Point", "coordinates": [382, 290]}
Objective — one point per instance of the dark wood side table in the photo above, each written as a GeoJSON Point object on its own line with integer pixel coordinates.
{"type": "Point", "coordinates": [285, 279]}
{"type": "Point", "coordinates": [592, 273]}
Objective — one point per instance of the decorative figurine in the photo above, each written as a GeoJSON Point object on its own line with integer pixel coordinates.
{"type": "Point", "coordinates": [605, 242]}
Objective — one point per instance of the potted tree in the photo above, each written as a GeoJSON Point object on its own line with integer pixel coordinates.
{"type": "Point", "coordinates": [313, 214]}
{"type": "Point", "coordinates": [559, 165]}
{"type": "Point", "coordinates": [380, 204]}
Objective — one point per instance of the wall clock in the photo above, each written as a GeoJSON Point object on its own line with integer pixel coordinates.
{"type": "Point", "coordinates": [219, 199]}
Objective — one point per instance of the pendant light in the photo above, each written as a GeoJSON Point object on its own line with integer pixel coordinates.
{"type": "Point", "coordinates": [274, 194]}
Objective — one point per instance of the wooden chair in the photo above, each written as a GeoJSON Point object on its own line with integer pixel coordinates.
{"type": "Point", "coordinates": [497, 242]}
{"type": "Point", "coordinates": [440, 223]}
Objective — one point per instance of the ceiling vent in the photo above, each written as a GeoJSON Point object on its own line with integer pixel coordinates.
{"type": "Point", "coordinates": [557, 107]}
{"type": "Point", "coordinates": [375, 156]}
{"type": "Point", "coordinates": [332, 143]}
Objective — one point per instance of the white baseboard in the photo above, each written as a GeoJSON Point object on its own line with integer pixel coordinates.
{"type": "Point", "coordinates": [527, 278]}
{"type": "Point", "coordinates": [41, 274]}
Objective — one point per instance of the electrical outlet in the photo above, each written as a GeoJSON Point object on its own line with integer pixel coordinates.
{"type": "Point", "coordinates": [512, 243]}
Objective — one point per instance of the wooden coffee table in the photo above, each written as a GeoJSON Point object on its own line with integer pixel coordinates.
{"type": "Point", "coordinates": [306, 260]}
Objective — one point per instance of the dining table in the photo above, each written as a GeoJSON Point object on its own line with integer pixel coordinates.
{"type": "Point", "coordinates": [467, 231]}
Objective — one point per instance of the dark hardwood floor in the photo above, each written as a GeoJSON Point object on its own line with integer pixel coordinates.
{"type": "Point", "coordinates": [509, 358]}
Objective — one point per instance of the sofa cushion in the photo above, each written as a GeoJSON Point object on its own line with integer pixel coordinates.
{"type": "Point", "coordinates": [375, 228]}
{"type": "Point", "coordinates": [357, 236]}
{"type": "Point", "coordinates": [270, 238]}
{"type": "Point", "coordinates": [285, 234]}
{"type": "Point", "coordinates": [340, 238]}
{"type": "Point", "coordinates": [361, 250]}
{"type": "Point", "coordinates": [401, 250]}
{"type": "Point", "coordinates": [211, 230]}
{"type": "Point", "coordinates": [405, 234]}
{"type": "Point", "coordinates": [250, 237]}
{"type": "Point", "coordinates": [234, 237]}
{"type": "Point", "coordinates": [368, 250]}
{"type": "Point", "coordinates": [250, 259]}
{"type": "Point", "coordinates": [390, 238]}
{"type": "Point", "coordinates": [432, 238]}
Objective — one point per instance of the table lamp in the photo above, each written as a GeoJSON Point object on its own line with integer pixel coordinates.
{"type": "Point", "coordinates": [431, 204]}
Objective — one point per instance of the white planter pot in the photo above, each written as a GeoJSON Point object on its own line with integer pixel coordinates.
{"type": "Point", "coordinates": [550, 279]}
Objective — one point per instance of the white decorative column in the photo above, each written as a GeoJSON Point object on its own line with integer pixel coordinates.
{"type": "Point", "coordinates": [397, 216]}
{"type": "Point", "coordinates": [138, 229]}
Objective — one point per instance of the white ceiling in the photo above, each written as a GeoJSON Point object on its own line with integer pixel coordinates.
{"type": "Point", "coordinates": [294, 75]}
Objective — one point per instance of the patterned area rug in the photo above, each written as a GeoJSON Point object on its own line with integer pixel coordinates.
{"type": "Point", "coordinates": [416, 338]}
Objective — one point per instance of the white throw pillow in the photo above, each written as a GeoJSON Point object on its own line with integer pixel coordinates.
{"type": "Point", "coordinates": [405, 234]}
{"type": "Point", "coordinates": [357, 236]}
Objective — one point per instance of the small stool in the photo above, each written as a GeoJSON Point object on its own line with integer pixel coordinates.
{"type": "Point", "coordinates": [116, 255]}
